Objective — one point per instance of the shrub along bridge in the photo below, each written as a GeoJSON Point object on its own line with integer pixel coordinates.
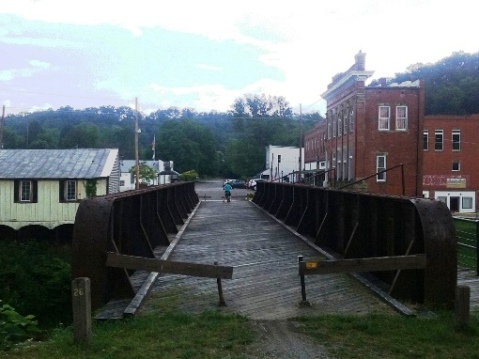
{"type": "Point", "coordinates": [161, 239]}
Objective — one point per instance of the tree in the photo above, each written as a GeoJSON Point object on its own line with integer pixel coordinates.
{"type": "Point", "coordinates": [146, 173]}
{"type": "Point", "coordinates": [452, 84]}
{"type": "Point", "coordinates": [190, 144]}
{"type": "Point", "coordinates": [261, 106]}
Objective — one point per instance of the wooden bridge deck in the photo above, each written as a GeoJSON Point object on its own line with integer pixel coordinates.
{"type": "Point", "coordinates": [264, 254]}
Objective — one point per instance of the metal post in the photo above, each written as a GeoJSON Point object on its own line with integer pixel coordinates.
{"type": "Point", "coordinates": [221, 302]}
{"type": "Point", "coordinates": [303, 284]}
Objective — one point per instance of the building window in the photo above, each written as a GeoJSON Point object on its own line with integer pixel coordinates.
{"type": "Point", "coordinates": [25, 191]}
{"type": "Point", "coordinates": [383, 119]}
{"type": "Point", "coordinates": [401, 118]}
{"type": "Point", "coordinates": [438, 140]}
{"type": "Point", "coordinates": [456, 140]}
{"type": "Point", "coordinates": [466, 202]}
{"type": "Point", "coordinates": [340, 127]}
{"type": "Point", "coordinates": [70, 191]}
{"type": "Point", "coordinates": [456, 166]}
{"type": "Point", "coordinates": [425, 140]}
{"type": "Point", "coordinates": [380, 166]}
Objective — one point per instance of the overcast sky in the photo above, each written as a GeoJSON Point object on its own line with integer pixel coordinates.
{"type": "Point", "coordinates": [203, 54]}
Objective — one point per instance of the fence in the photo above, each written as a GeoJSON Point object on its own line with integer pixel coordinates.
{"type": "Point", "coordinates": [467, 233]}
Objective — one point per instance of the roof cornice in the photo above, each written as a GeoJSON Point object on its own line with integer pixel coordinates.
{"type": "Point", "coordinates": [356, 75]}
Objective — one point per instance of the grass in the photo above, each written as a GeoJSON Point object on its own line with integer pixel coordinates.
{"type": "Point", "coordinates": [385, 336]}
{"type": "Point", "coordinates": [164, 331]}
{"type": "Point", "coordinates": [467, 242]}
{"type": "Point", "coordinates": [170, 335]}
{"type": "Point", "coordinates": [176, 334]}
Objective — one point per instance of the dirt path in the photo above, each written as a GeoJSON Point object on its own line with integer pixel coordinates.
{"type": "Point", "coordinates": [279, 340]}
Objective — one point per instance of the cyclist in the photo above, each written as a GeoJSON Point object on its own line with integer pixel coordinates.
{"type": "Point", "coordinates": [227, 188]}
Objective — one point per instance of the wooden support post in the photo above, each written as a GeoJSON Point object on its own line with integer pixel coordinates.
{"type": "Point", "coordinates": [221, 302]}
{"type": "Point", "coordinates": [81, 305]}
{"type": "Point", "coordinates": [462, 306]}
{"type": "Point", "coordinates": [303, 284]}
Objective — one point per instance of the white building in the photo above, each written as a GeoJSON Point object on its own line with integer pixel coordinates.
{"type": "Point", "coordinates": [283, 162]}
{"type": "Point", "coordinates": [45, 187]}
{"type": "Point", "coordinates": [127, 179]}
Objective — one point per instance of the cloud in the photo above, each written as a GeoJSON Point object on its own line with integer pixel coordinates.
{"type": "Point", "coordinates": [209, 67]}
{"type": "Point", "coordinates": [35, 66]}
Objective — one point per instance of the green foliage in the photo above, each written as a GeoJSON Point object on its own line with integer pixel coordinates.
{"type": "Point", "coordinates": [393, 336]}
{"type": "Point", "coordinates": [35, 281]}
{"type": "Point", "coordinates": [15, 328]}
{"type": "Point", "coordinates": [184, 136]}
{"type": "Point", "coordinates": [146, 173]}
{"type": "Point", "coordinates": [189, 144]}
{"type": "Point", "coordinates": [166, 335]}
{"type": "Point", "coordinates": [189, 176]}
{"type": "Point", "coordinates": [90, 188]}
{"type": "Point", "coordinates": [452, 84]}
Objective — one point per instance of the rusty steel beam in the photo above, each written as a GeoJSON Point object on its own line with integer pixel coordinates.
{"type": "Point", "coordinates": [360, 225]}
{"type": "Point", "coordinates": [129, 223]}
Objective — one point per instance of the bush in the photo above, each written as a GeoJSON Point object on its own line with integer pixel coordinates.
{"type": "Point", "coordinates": [15, 328]}
{"type": "Point", "coordinates": [189, 175]}
{"type": "Point", "coordinates": [35, 281]}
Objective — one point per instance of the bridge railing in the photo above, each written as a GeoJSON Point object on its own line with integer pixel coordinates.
{"type": "Point", "coordinates": [131, 223]}
{"type": "Point", "coordinates": [358, 225]}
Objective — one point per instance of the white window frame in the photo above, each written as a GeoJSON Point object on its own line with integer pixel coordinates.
{"type": "Point", "coordinates": [381, 177]}
{"type": "Point", "coordinates": [384, 118]}
{"type": "Point", "coordinates": [425, 140]}
{"type": "Point", "coordinates": [436, 134]}
{"type": "Point", "coordinates": [454, 142]}
{"type": "Point", "coordinates": [70, 191]}
{"type": "Point", "coordinates": [25, 191]}
{"type": "Point", "coordinates": [463, 203]}
{"type": "Point", "coordinates": [458, 166]}
{"type": "Point", "coordinates": [401, 121]}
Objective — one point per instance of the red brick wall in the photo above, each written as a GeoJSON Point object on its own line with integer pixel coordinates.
{"type": "Point", "coordinates": [437, 167]}
{"type": "Point", "coordinates": [398, 146]}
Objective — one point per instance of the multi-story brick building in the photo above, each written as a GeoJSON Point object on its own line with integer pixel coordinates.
{"type": "Point", "coordinates": [451, 165]}
{"type": "Point", "coordinates": [369, 130]}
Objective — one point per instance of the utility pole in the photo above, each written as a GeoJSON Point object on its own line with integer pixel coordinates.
{"type": "Point", "coordinates": [2, 120]}
{"type": "Point", "coordinates": [137, 160]}
{"type": "Point", "coordinates": [300, 160]}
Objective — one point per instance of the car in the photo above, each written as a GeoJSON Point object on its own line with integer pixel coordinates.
{"type": "Point", "coordinates": [252, 183]}
{"type": "Point", "coordinates": [237, 183]}
{"type": "Point", "coordinates": [228, 181]}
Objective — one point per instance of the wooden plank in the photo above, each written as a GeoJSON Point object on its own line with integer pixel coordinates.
{"type": "Point", "coordinates": [163, 266]}
{"type": "Point", "coordinates": [81, 305]}
{"type": "Point", "coordinates": [362, 264]}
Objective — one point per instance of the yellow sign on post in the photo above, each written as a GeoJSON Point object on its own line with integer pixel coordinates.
{"type": "Point", "coordinates": [312, 265]}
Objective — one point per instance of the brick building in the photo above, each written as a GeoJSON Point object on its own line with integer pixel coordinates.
{"type": "Point", "coordinates": [451, 165]}
{"type": "Point", "coordinates": [367, 130]}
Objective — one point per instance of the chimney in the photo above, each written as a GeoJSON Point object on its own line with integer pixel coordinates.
{"type": "Point", "coordinates": [360, 61]}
